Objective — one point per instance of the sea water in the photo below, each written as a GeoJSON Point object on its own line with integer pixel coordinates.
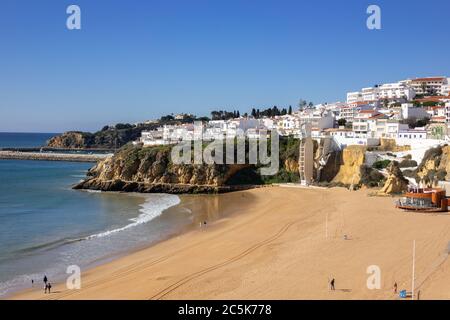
{"type": "Point", "coordinates": [45, 226]}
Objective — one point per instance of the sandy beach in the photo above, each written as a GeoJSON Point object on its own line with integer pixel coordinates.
{"type": "Point", "coordinates": [282, 243]}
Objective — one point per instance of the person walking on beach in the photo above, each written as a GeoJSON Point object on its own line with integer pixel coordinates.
{"type": "Point", "coordinates": [332, 284]}
{"type": "Point", "coordinates": [49, 287]}
{"type": "Point", "coordinates": [395, 287]}
{"type": "Point", "coordinates": [45, 280]}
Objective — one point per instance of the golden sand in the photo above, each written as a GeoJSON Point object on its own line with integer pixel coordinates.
{"type": "Point", "coordinates": [282, 243]}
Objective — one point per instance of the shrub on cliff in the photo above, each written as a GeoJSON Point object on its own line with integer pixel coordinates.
{"type": "Point", "coordinates": [381, 164]}
{"type": "Point", "coordinates": [371, 177]}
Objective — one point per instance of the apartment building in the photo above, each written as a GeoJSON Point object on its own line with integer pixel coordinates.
{"type": "Point", "coordinates": [412, 134]}
{"type": "Point", "coordinates": [447, 113]}
{"type": "Point", "coordinates": [360, 125]}
{"type": "Point", "coordinates": [339, 132]}
{"type": "Point", "coordinates": [370, 93]}
{"type": "Point", "coordinates": [349, 111]}
{"type": "Point", "coordinates": [354, 97]}
{"type": "Point", "coordinates": [445, 89]}
{"type": "Point", "coordinates": [396, 90]}
{"type": "Point", "coordinates": [430, 85]}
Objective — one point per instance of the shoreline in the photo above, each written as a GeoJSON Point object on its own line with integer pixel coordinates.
{"type": "Point", "coordinates": [191, 202]}
{"type": "Point", "coordinates": [270, 244]}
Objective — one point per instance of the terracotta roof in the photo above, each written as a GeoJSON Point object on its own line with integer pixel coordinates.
{"type": "Point", "coordinates": [368, 111]}
{"type": "Point", "coordinates": [440, 118]}
{"type": "Point", "coordinates": [428, 79]}
{"type": "Point", "coordinates": [337, 129]}
{"type": "Point", "coordinates": [432, 99]}
{"type": "Point", "coordinates": [379, 116]}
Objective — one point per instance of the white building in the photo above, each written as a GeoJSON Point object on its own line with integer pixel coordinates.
{"type": "Point", "coordinates": [412, 134]}
{"type": "Point", "coordinates": [360, 125]}
{"type": "Point", "coordinates": [287, 125]}
{"type": "Point", "coordinates": [349, 111]}
{"type": "Point", "coordinates": [370, 93]}
{"type": "Point", "coordinates": [447, 113]}
{"type": "Point", "coordinates": [445, 89]}
{"type": "Point", "coordinates": [339, 132]}
{"type": "Point", "coordinates": [396, 90]}
{"type": "Point", "coordinates": [409, 111]}
{"type": "Point", "coordinates": [354, 97]}
{"type": "Point", "coordinates": [317, 119]}
{"type": "Point", "coordinates": [429, 85]}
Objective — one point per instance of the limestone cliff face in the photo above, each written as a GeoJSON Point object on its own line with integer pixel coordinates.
{"type": "Point", "coordinates": [391, 145]}
{"type": "Point", "coordinates": [291, 165]}
{"type": "Point", "coordinates": [444, 164]}
{"type": "Point", "coordinates": [349, 173]}
{"type": "Point", "coordinates": [435, 165]}
{"type": "Point", "coordinates": [71, 139]}
{"type": "Point", "coordinates": [395, 182]}
{"type": "Point", "coordinates": [149, 169]}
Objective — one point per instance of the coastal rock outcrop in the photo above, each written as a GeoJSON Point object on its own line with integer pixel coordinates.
{"type": "Point", "coordinates": [435, 166]}
{"type": "Point", "coordinates": [391, 145]}
{"type": "Point", "coordinates": [353, 158]}
{"type": "Point", "coordinates": [395, 182]}
{"type": "Point", "coordinates": [291, 165]}
{"type": "Point", "coordinates": [150, 169]}
{"type": "Point", "coordinates": [70, 139]}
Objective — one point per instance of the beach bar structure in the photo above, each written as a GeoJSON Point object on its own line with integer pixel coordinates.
{"type": "Point", "coordinates": [424, 200]}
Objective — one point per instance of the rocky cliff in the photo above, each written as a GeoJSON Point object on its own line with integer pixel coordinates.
{"type": "Point", "coordinates": [150, 169]}
{"type": "Point", "coordinates": [435, 166]}
{"type": "Point", "coordinates": [71, 139]}
{"type": "Point", "coordinates": [349, 173]}
{"type": "Point", "coordinates": [395, 182]}
{"type": "Point", "coordinates": [391, 145]}
{"type": "Point", "coordinates": [107, 138]}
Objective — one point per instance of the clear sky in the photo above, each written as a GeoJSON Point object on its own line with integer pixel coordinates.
{"type": "Point", "coordinates": [135, 60]}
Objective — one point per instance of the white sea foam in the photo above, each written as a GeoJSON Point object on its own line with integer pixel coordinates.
{"type": "Point", "coordinates": [150, 209]}
{"type": "Point", "coordinates": [93, 191]}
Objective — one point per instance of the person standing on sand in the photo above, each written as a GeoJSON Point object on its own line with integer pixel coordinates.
{"type": "Point", "coordinates": [395, 287]}
{"type": "Point", "coordinates": [45, 280]}
{"type": "Point", "coordinates": [332, 284]}
{"type": "Point", "coordinates": [49, 287]}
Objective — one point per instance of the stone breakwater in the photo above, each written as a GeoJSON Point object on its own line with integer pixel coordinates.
{"type": "Point", "coordinates": [17, 155]}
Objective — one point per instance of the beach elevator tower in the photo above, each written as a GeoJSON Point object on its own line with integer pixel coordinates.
{"type": "Point", "coordinates": [306, 156]}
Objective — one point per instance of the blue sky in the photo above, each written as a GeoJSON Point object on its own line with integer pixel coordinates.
{"type": "Point", "coordinates": [137, 60]}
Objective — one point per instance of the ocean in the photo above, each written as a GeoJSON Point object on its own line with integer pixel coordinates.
{"type": "Point", "coordinates": [45, 226]}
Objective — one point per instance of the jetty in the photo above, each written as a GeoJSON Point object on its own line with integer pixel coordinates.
{"type": "Point", "coordinates": [53, 156]}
